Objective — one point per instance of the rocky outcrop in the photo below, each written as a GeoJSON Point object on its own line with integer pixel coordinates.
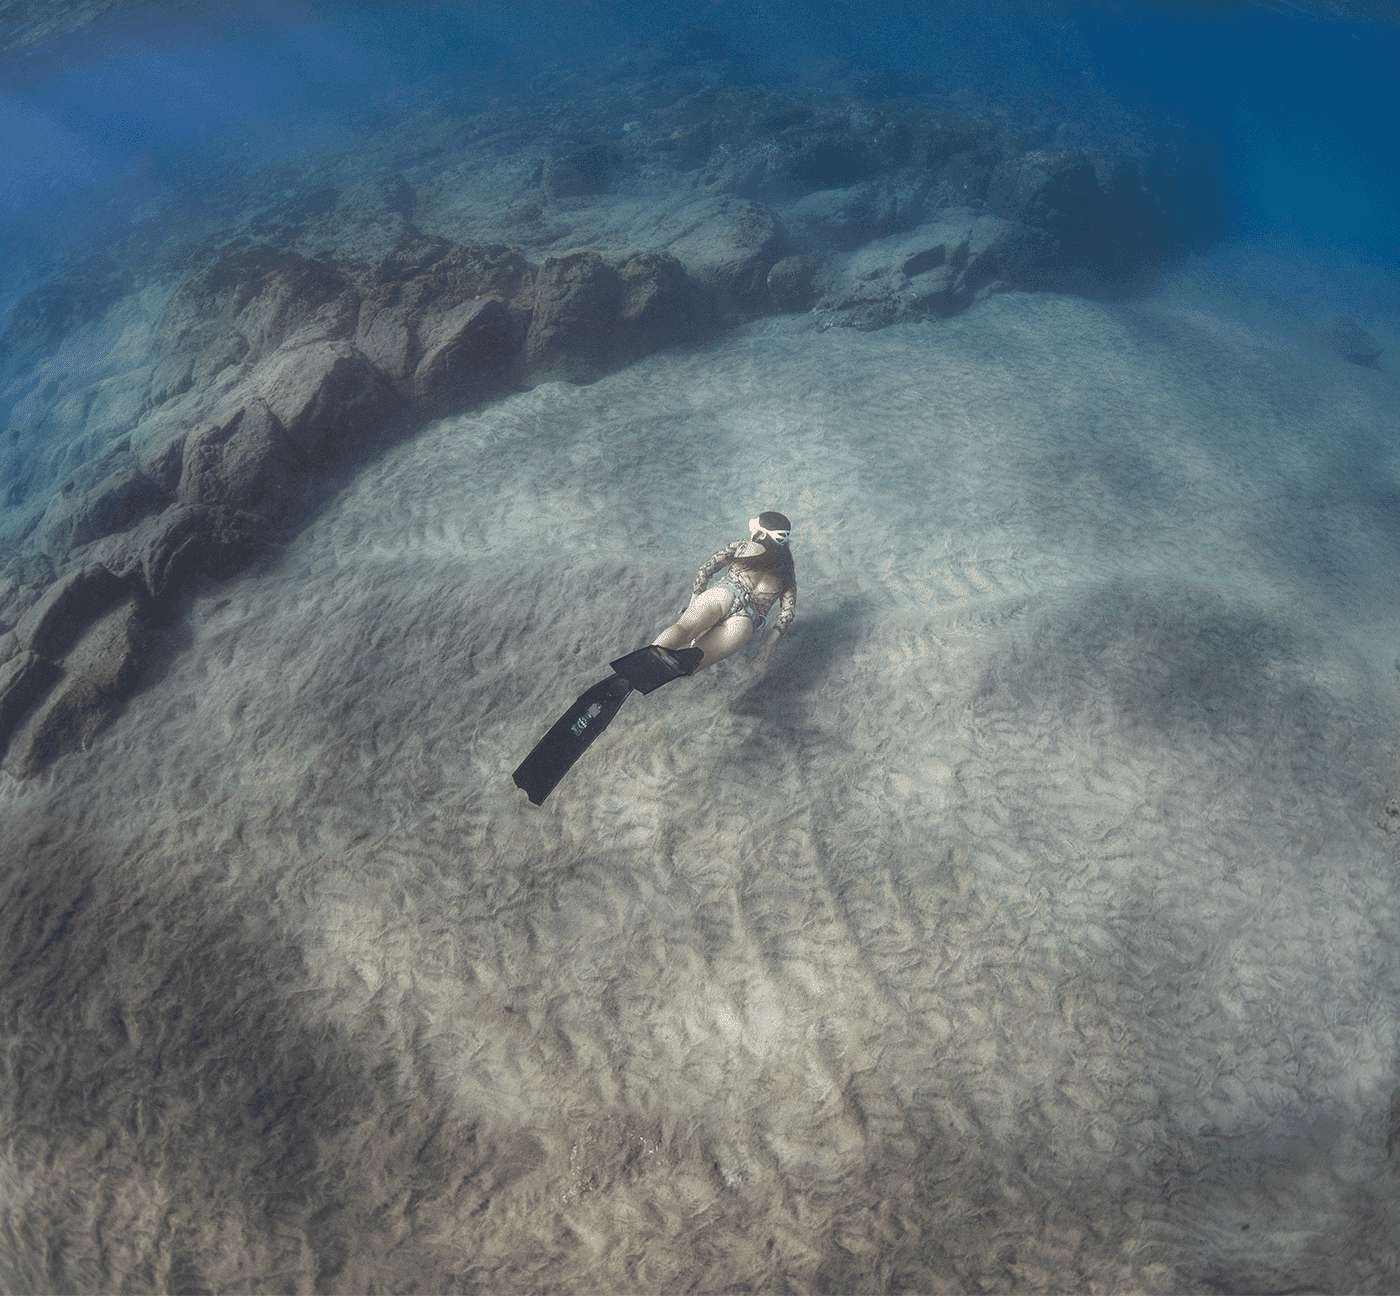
{"type": "Point", "coordinates": [241, 309]}
{"type": "Point", "coordinates": [162, 555]}
{"type": "Point", "coordinates": [1099, 226]}
{"type": "Point", "coordinates": [442, 321]}
{"type": "Point", "coordinates": [90, 684]}
{"type": "Point", "coordinates": [96, 501]}
{"type": "Point", "coordinates": [660, 306]}
{"type": "Point", "coordinates": [571, 293]}
{"type": "Point", "coordinates": [937, 269]}
{"type": "Point", "coordinates": [52, 625]}
{"type": "Point", "coordinates": [23, 581]}
{"type": "Point", "coordinates": [731, 255]}
{"type": "Point", "coordinates": [326, 396]}
{"type": "Point", "coordinates": [842, 170]}
{"type": "Point", "coordinates": [243, 458]}
{"type": "Point", "coordinates": [79, 657]}
{"type": "Point", "coordinates": [791, 283]}
{"type": "Point", "coordinates": [1055, 192]}
{"type": "Point", "coordinates": [842, 219]}
{"type": "Point", "coordinates": [269, 367]}
{"type": "Point", "coordinates": [590, 316]}
{"type": "Point", "coordinates": [24, 680]}
{"type": "Point", "coordinates": [75, 655]}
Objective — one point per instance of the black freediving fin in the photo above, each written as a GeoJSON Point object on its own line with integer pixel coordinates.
{"type": "Point", "coordinates": [554, 755]}
{"type": "Point", "coordinates": [650, 667]}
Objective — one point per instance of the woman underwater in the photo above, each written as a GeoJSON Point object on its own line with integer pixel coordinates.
{"type": "Point", "coordinates": [719, 620]}
{"type": "Point", "coordinates": [722, 619]}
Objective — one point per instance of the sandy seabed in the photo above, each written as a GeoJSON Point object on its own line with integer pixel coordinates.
{"type": "Point", "coordinates": [1030, 924]}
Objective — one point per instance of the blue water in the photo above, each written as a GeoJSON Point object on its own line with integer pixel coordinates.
{"type": "Point", "coordinates": [1299, 106]}
{"type": "Point", "coordinates": [146, 128]}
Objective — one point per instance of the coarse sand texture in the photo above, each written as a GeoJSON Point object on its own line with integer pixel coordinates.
{"type": "Point", "coordinates": [1030, 923]}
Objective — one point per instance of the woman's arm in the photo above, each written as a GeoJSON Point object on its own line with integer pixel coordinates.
{"type": "Point", "coordinates": [787, 611]}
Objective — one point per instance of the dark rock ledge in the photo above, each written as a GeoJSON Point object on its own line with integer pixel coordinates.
{"type": "Point", "coordinates": [268, 367]}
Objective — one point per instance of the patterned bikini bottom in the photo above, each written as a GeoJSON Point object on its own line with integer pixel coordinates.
{"type": "Point", "coordinates": [743, 600]}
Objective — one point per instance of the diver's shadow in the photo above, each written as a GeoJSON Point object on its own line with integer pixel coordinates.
{"type": "Point", "coordinates": [783, 696]}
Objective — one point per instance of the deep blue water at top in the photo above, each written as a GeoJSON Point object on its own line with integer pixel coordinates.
{"type": "Point", "coordinates": [1304, 109]}
{"type": "Point", "coordinates": [1301, 108]}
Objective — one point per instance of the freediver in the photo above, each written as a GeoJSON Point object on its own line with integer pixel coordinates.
{"type": "Point", "coordinates": [718, 621]}
{"type": "Point", "coordinates": [722, 619]}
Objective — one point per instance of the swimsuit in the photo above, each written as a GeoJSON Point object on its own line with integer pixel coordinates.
{"type": "Point", "coordinates": [744, 604]}
{"type": "Point", "coordinates": [743, 600]}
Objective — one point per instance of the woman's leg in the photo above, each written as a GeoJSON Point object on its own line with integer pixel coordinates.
{"type": "Point", "coordinates": [706, 610]}
{"type": "Point", "coordinates": [729, 636]}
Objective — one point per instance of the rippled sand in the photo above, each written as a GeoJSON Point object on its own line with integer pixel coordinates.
{"type": "Point", "coordinates": [1031, 923]}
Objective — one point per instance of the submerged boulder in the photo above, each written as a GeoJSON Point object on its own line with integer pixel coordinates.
{"type": "Point", "coordinates": [445, 321]}
{"type": "Point", "coordinates": [91, 684]}
{"type": "Point", "coordinates": [158, 444]}
{"type": "Point", "coordinates": [326, 396]}
{"type": "Point", "coordinates": [241, 309]}
{"type": "Point", "coordinates": [938, 269]}
{"type": "Point", "coordinates": [67, 607]}
{"type": "Point", "coordinates": [24, 679]}
{"type": "Point", "coordinates": [122, 494]}
{"type": "Point", "coordinates": [465, 353]}
{"type": "Point", "coordinates": [76, 654]}
{"type": "Point", "coordinates": [660, 306]}
{"type": "Point", "coordinates": [423, 283]}
{"type": "Point", "coordinates": [1050, 190]}
{"type": "Point", "coordinates": [843, 219]}
{"type": "Point", "coordinates": [243, 459]}
{"type": "Point", "coordinates": [166, 551]}
{"type": "Point", "coordinates": [730, 255]}
{"type": "Point", "coordinates": [591, 316]}
{"type": "Point", "coordinates": [576, 297]}
{"type": "Point", "coordinates": [790, 282]}
{"type": "Point", "coordinates": [109, 654]}
{"type": "Point", "coordinates": [23, 580]}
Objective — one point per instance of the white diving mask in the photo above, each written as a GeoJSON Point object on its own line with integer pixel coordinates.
{"type": "Point", "coordinates": [757, 529]}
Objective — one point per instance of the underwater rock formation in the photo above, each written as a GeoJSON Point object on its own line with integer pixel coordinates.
{"type": "Point", "coordinates": [590, 316]}
{"type": "Point", "coordinates": [437, 315]}
{"type": "Point", "coordinates": [938, 269]}
{"type": "Point", "coordinates": [268, 367]}
{"type": "Point", "coordinates": [162, 554]}
{"type": "Point", "coordinates": [78, 659]}
{"type": "Point", "coordinates": [75, 654]}
{"type": "Point", "coordinates": [93, 679]}
{"type": "Point", "coordinates": [97, 500]}
{"type": "Point", "coordinates": [243, 459]}
{"type": "Point", "coordinates": [241, 309]}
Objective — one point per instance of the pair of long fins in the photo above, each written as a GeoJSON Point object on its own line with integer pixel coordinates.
{"type": "Point", "coordinates": [573, 733]}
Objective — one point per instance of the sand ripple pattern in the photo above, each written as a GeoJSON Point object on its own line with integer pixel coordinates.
{"type": "Point", "coordinates": [1031, 926]}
